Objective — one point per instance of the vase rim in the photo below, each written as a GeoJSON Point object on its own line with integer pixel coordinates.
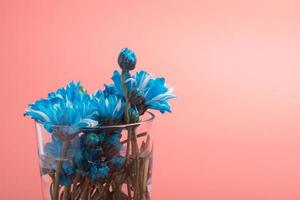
{"type": "Point", "coordinates": [149, 118]}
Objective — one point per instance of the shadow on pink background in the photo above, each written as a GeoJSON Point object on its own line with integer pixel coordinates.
{"type": "Point", "coordinates": [234, 133]}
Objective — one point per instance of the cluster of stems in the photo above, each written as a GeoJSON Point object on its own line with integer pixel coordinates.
{"type": "Point", "coordinates": [133, 187]}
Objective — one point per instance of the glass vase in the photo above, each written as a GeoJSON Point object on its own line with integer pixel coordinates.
{"type": "Point", "coordinates": [99, 163]}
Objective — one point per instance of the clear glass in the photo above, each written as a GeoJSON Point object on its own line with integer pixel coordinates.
{"type": "Point", "coordinates": [99, 163]}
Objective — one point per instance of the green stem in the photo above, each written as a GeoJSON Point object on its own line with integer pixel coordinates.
{"type": "Point", "coordinates": [128, 190]}
{"type": "Point", "coordinates": [127, 120]}
{"type": "Point", "coordinates": [102, 193]}
{"type": "Point", "coordinates": [138, 135]}
{"type": "Point", "coordinates": [58, 169]}
{"type": "Point", "coordinates": [145, 175]}
{"type": "Point", "coordinates": [125, 96]}
{"type": "Point", "coordinates": [51, 189]}
{"type": "Point", "coordinates": [66, 192]}
{"type": "Point", "coordinates": [74, 188]}
{"type": "Point", "coordinates": [128, 145]}
{"type": "Point", "coordinates": [85, 189]}
{"type": "Point", "coordinates": [137, 166]}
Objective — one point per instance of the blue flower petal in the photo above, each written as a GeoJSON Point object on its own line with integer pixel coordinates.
{"type": "Point", "coordinates": [154, 91]}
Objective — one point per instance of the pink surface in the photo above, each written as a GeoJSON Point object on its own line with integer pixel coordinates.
{"type": "Point", "coordinates": [234, 133]}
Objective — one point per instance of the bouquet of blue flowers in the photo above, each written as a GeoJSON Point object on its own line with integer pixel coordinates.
{"type": "Point", "coordinates": [97, 146]}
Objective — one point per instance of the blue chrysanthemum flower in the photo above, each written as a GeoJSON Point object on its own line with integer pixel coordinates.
{"type": "Point", "coordinates": [82, 165]}
{"type": "Point", "coordinates": [114, 141]}
{"type": "Point", "coordinates": [144, 91]}
{"type": "Point", "coordinates": [127, 59]}
{"type": "Point", "coordinates": [110, 108]}
{"type": "Point", "coordinates": [118, 162]}
{"type": "Point", "coordinates": [67, 106]}
{"type": "Point", "coordinates": [99, 172]}
{"type": "Point", "coordinates": [53, 154]}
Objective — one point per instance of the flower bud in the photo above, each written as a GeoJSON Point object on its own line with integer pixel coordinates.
{"type": "Point", "coordinates": [134, 115]}
{"type": "Point", "coordinates": [127, 59]}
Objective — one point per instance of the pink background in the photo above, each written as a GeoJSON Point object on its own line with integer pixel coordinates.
{"type": "Point", "coordinates": [234, 133]}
